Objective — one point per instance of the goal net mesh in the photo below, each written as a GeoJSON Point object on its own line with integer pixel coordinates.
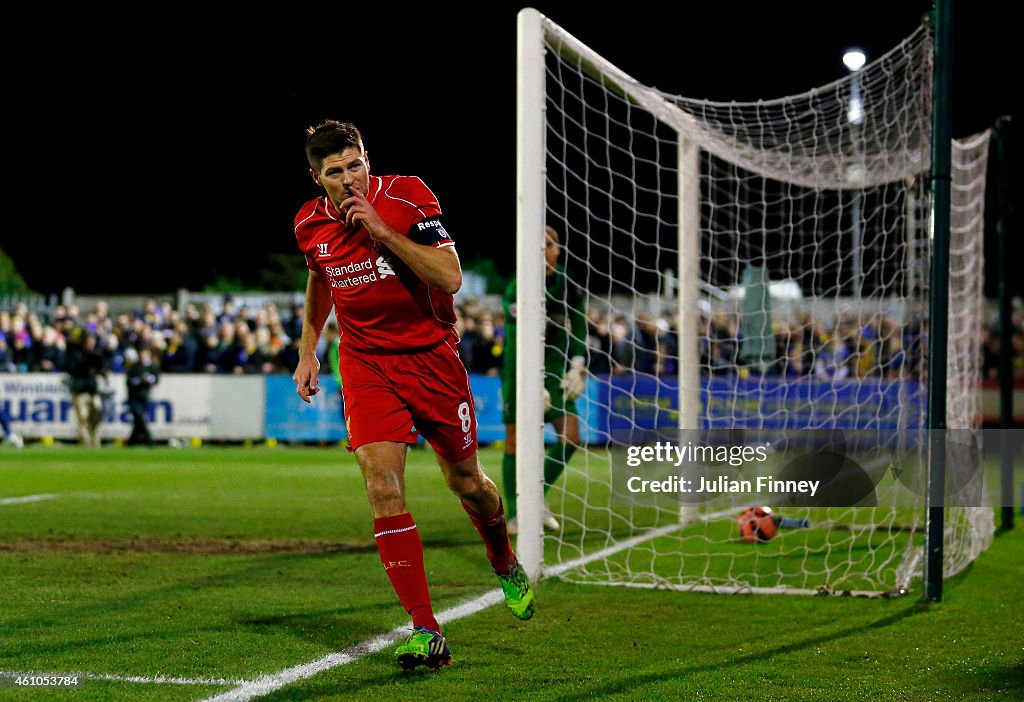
{"type": "Point", "coordinates": [756, 273]}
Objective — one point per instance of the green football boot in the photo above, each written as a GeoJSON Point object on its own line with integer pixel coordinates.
{"type": "Point", "coordinates": [518, 593]}
{"type": "Point", "coordinates": [424, 647]}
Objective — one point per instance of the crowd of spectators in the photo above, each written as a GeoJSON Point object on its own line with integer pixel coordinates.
{"type": "Point", "coordinates": [848, 348]}
{"type": "Point", "coordinates": [234, 340]}
{"type": "Point", "coordinates": [238, 339]}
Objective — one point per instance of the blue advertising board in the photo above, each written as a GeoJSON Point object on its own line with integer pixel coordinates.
{"type": "Point", "coordinates": [291, 419]}
{"type": "Point", "coordinates": [628, 405]}
{"type": "Point", "coordinates": [637, 408]}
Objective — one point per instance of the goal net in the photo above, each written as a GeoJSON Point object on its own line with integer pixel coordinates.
{"type": "Point", "coordinates": [756, 282]}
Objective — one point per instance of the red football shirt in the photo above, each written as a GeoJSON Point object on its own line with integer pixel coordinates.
{"type": "Point", "coordinates": [379, 302]}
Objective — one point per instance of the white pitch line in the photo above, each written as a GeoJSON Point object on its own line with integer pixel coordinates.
{"type": "Point", "coordinates": [266, 684]}
{"type": "Point", "coordinates": [26, 498]}
{"type": "Point", "coordinates": [156, 679]}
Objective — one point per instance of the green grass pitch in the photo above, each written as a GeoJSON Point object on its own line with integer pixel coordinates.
{"type": "Point", "coordinates": [231, 563]}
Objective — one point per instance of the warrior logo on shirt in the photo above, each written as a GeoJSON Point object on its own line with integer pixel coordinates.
{"type": "Point", "coordinates": [322, 250]}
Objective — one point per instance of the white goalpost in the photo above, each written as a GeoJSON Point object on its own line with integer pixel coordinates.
{"type": "Point", "coordinates": [755, 275]}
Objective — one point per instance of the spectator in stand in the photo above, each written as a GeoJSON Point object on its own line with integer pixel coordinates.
{"type": "Point", "coordinates": [267, 363]}
{"type": "Point", "coordinates": [809, 342]}
{"type": "Point", "coordinates": [113, 353]}
{"type": "Point", "coordinates": [648, 349]}
{"type": "Point", "coordinates": [61, 321]}
{"type": "Point", "coordinates": [892, 363]}
{"type": "Point", "coordinates": [179, 356]}
{"type": "Point", "coordinates": [192, 315]}
{"type": "Point", "coordinates": [102, 313]}
{"type": "Point", "coordinates": [21, 353]}
{"type": "Point", "coordinates": [229, 310]}
{"type": "Point", "coordinates": [725, 331]}
{"type": "Point", "coordinates": [831, 363]}
{"type": "Point", "coordinates": [208, 355]}
{"type": "Point", "coordinates": [622, 351]}
{"type": "Point", "coordinates": [668, 333]}
{"type": "Point", "coordinates": [277, 344]}
{"type": "Point", "coordinates": [487, 348]}
{"type": "Point", "coordinates": [789, 343]}
{"type": "Point", "coordinates": [51, 350]}
{"type": "Point", "coordinates": [720, 362]}
{"type": "Point", "coordinates": [466, 328]}
{"type": "Point", "coordinates": [250, 355]}
{"type": "Point", "coordinates": [206, 324]}
{"type": "Point", "coordinates": [7, 364]}
{"type": "Point", "coordinates": [599, 343]}
{"type": "Point", "coordinates": [227, 347]}
{"type": "Point", "coordinates": [1017, 355]}
{"type": "Point", "coordinates": [289, 358]}
{"type": "Point", "coordinates": [888, 353]}
{"type": "Point", "coordinates": [272, 314]}
{"type": "Point", "coordinates": [915, 346]}
{"type": "Point", "coordinates": [293, 323]}
{"type": "Point", "coordinates": [498, 317]}
{"type": "Point", "coordinates": [990, 346]}
{"type": "Point", "coordinates": [864, 359]}
{"type": "Point", "coordinates": [35, 333]}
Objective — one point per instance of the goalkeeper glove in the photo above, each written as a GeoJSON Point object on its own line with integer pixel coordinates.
{"type": "Point", "coordinates": [547, 400]}
{"type": "Point", "coordinates": [574, 384]}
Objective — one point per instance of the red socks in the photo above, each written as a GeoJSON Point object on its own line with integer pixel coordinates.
{"type": "Point", "coordinates": [401, 553]}
{"type": "Point", "coordinates": [495, 535]}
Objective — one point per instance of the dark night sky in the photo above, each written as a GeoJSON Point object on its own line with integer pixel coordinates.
{"type": "Point", "coordinates": [155, 156]}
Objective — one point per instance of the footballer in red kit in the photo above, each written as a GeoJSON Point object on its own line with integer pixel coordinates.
{"type": "Point", "coordinates": [395, 329]}
{"type": "Point", "coordinates": [378, 254]}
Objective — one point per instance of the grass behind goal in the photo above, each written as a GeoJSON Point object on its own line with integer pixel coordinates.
{"type": "Point", "coordinates": [226, 564]}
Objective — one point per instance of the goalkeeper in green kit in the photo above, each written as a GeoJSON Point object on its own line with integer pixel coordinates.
{"type": "Point", "coordinates": [565, 377]}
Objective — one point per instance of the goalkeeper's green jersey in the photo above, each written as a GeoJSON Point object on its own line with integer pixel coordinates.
{"type": "Point", "coordinates": [566, 329]}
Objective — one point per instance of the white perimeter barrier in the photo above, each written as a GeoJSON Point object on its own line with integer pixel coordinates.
{"type": "Point", "coordinates": [181, 406]}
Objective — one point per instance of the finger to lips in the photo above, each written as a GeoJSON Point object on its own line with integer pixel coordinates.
{"type": "Point", "coordinates": [346, 209]}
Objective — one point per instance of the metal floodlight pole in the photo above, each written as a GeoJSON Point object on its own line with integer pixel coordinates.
{"type": "Point", "coordinates": [854, 60]}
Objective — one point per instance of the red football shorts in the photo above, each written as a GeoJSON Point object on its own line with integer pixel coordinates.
{"type": "Point", "coordinates": [397, 397]}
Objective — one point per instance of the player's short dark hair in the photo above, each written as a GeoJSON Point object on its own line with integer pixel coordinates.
{"type": "Point", "coordinates": [330, 137]}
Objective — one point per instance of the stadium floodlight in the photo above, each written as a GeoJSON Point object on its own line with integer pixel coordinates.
{"type": "Point", "coordinates": [854, 59]}
{"type": "Point", "coordinates": [642, 182]}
